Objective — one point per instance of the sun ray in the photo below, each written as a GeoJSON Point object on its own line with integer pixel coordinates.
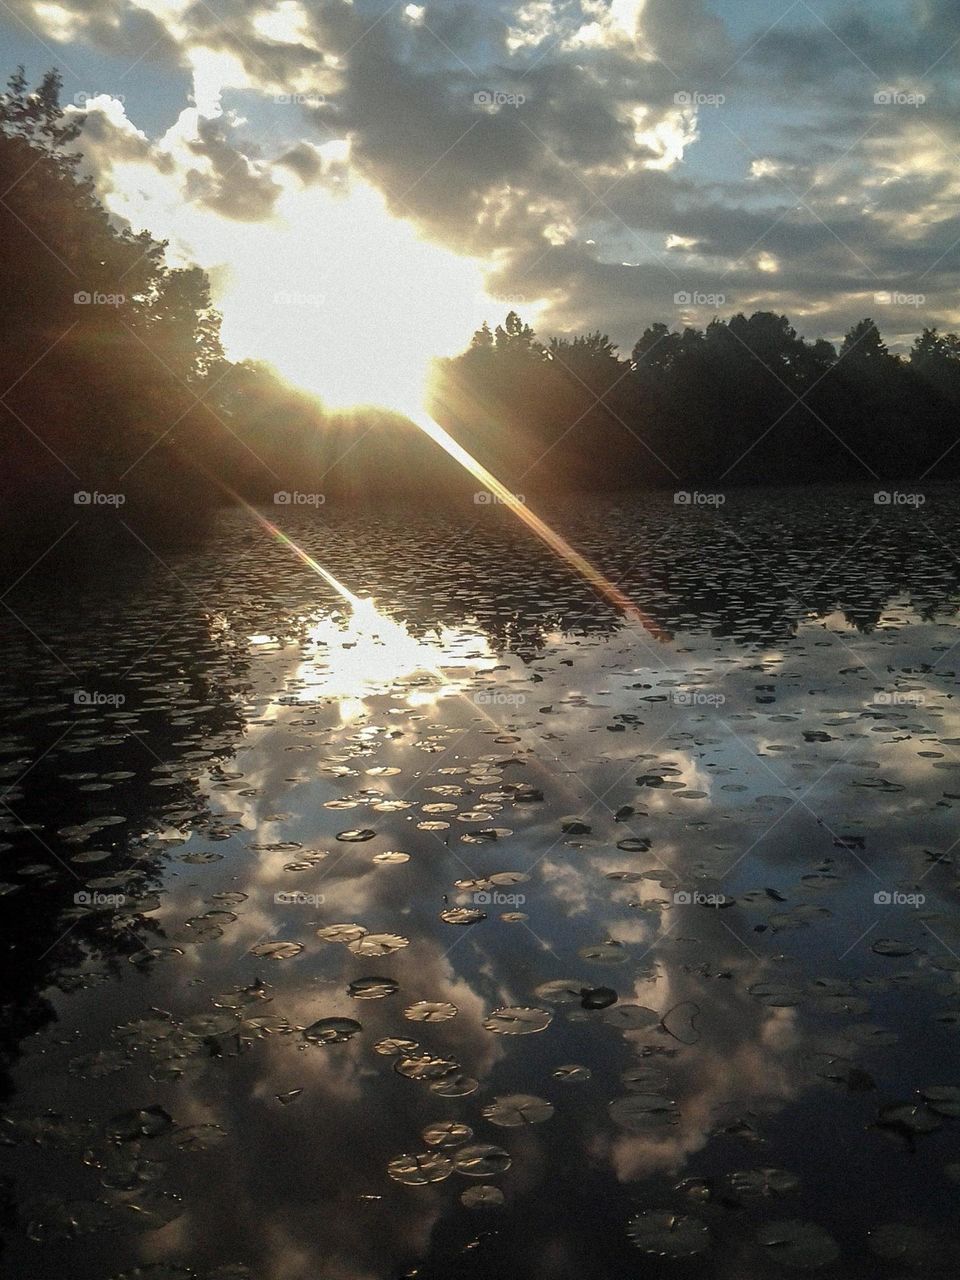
{"type": "Point", "coordinates": [557, 544]}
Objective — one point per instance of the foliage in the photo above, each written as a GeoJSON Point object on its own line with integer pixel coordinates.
{"type": "Point", "coordinates": [744, 401]}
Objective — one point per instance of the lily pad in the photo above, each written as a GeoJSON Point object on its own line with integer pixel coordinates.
{"type": "Point", "coordinates": [517, 1020]}
{"type": "Point", "coordinates": [430, 1011]}
{"type": "Point", "coordinates": [143, 1122]}
{"type": "Point", "coordinates": [372, 988]}
{"type": "Point", "coordinates": [515, 1110]}
{"type": "Point", "coordinates": [376, 945]}
{"type": "Point", "coordinates": [482, 1197]}
{"type": "Point", "coordinates": [419, 1170]}
{"type": "Point", "coordinates": [803, 1245]}
{"type": "Point", "coordinates": [764, 1182]}
{"type": "Point", "coordinates": [668, 1235]}
{"type": "Point", "coordinates": [279, 950]}
{"type": "Point", "coordinates": [446, 1133]}
{"type": "Point", "coordinates": [331, 1030]}
{"type": "Point", "coordinates": [641, 1112]}
{"type": "Point", "coordinates": [481, 1160]}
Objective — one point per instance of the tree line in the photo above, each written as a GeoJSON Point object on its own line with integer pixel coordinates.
{"type": "Point", "coordinates": [744, 401]}
{"type": "Point", "coordinates": [118, 407]}
{"type": "Point", "coordinates": [120, 417]}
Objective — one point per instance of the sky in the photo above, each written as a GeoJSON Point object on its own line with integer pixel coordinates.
{"type": "Point", "coordinates": [360, 176]}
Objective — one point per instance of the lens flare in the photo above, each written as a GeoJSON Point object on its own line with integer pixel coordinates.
{"type": "Point", "coordinates": [557, 544]}
{"type": "Point", "coordinates": [355, 602]}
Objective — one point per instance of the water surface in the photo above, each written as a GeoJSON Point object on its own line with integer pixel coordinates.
{"type": "Point", "coordinates": [480, 931]}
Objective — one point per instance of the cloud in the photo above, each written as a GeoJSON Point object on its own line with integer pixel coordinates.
{"type": "Point", "coordinates": [231, 183]}
{"type": "Point", "coordinates": [600, 155]}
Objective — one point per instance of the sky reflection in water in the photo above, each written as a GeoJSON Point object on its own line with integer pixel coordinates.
{"type": "Point", "coordinates": [700, 824]}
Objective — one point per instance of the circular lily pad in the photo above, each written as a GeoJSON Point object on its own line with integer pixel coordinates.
{"type": "Point", "coordinates": [572, 1073]}
{"type": "Point", "coordinates": [341, 933]}
{"type": "Point", "coordinates": [377, 944]}
{"type": "Point", "coordinates": [424, 1066]}
{"type": "Point", "coordinates": [764, 1182]}
{"type": "Point", "coordinates": [143, 1122]}
{"type": "Point", "coordinates": [199, 1137]}
{"type": "Point", "coordinates": [482, 1197]}
{"type": "Point", "coordinates": [455, 1084]}
{"type": "Point", "coordinates": [610, 952]}
{"type": "Point", "coordinates": [430, 1011]}
{"type": "Point", "coordinates": [516, 1020]}
{"type": "Point", "coordinates": [372, 988]}
{"type": "Point", "coordinates": [640, 1112]}
{"type": "Point", "coordinates": [942, 1098]}
{"type": "Point", "coordinates": [279, 950]}
{"type": "Point", "coordinates": [462, 915]}
{"type": "Point", "coordinates": [909, 1118]}
{"type": "Point", "coordinates": [331, 1030]}
{"type": "Point", "coordinates": [631, 1017]}
{"type": "Point", "coordinates": [515, 1110]}
{"type": "Point", "coordinates": [803, 1245]}
{"type": "Point", "coordinates": [668, 1235]}
{"type": "Point", "coordinates": [392, 1046]}
{"type": "Point", "coordinates": [778, 995]}
{"type": "Point", "coordinates": [906, 1242]}
{"type": "Point", "coordinates": [561, 991]}
{"type": "Point", "coordinates": [892, 947]}
{"type": "Point", "coordinates": [446, 1133]}
{"type": "Point", "coordinates": [418, 1170]}
{"type": "Point", "coordinates": [481, 1160]}
{"type": "Point", "coordinates": [157, 1271]}
{"type": "Point", "coordinates": [598, 997]}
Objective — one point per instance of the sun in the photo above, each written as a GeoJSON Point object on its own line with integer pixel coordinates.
{"type": "Point", "coordinates": [348, 301]}
{"type": "Point", "coordinates": [343, 296]}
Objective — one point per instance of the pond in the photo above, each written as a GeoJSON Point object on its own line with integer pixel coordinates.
{"type": "Point", "coordinates": [467, 925]}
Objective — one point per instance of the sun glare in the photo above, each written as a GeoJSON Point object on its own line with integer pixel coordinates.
{"type": "Point", "coordinates": [367, 653]}
{"type": "Point", "coordinates": [322, 280]}
{"type": "Point", "coordinates": [348, 301]}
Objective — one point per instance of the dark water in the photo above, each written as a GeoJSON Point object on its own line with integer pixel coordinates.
{"type": "Point", "coordinates": [509, 799]}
